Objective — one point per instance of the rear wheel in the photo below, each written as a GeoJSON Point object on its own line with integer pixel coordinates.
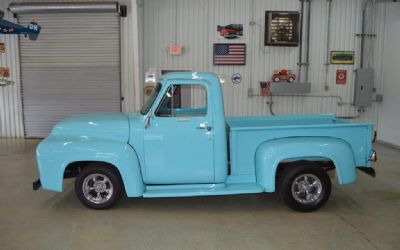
{"type": "Point", "coordinates": [98, 187]}
{"type": "Point", "coordinates": [304, 187]}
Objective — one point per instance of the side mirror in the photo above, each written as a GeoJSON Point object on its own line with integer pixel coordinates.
{"type": "Point", "coordinates": [147, 123]}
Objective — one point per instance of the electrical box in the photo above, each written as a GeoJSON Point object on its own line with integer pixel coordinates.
{"type": "Point", "coordinates": [364, 86]}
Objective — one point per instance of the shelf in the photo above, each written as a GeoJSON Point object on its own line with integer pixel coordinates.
{"type": "Point", "coordinates": [285, 87]}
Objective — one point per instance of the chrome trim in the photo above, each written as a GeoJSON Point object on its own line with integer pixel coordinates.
{"type": "Point", "coordinates": [97, 188]}
{"type": "Point", "coordinates": [373, 157]}
{"type": "Point", "coordinates": [306, 188]}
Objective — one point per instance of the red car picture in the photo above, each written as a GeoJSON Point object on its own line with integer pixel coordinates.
{"type": "Point", "coordinates": [283, 74]}
{"type": "Point", "coordinates": [230, 31]}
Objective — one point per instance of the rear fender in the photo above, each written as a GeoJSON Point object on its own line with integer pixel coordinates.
{"type": "Point", "coordinates": [55, 154]}
{"type": "Point", "coordinates": [270, 153]}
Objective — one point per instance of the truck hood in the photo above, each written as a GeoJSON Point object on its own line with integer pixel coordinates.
{"type": "Point", "coordinates": [111, 126]}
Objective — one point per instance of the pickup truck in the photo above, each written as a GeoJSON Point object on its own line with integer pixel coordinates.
{"type": "Point", "coordinates": [181, 144]}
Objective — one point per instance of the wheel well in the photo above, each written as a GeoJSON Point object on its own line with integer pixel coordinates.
{"type": "Point", "coordinates": [74, 168]}
{"type": "Point", "coordinates": [326, 164]}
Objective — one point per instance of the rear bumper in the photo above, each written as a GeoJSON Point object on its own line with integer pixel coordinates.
{"type": "Point", "coordinates": [36, 184]}
{"type": "Point", "coordinates": [369, 171]}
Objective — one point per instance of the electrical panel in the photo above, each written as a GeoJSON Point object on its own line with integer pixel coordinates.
{"type": "Point", "coordinates": [364, 86]}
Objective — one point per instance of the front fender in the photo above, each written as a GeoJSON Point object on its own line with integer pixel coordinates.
{"type": "Point", "coordinates": [54, 154]}
{"type": "Point", "coordinates": [270, 153]}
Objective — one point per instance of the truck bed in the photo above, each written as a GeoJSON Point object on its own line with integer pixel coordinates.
{"type": "Point", "coordinates": [265, 122]}
{"type": "Point", "coordinates": [247, 133]}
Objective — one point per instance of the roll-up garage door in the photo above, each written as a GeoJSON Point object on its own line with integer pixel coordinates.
{"type": "Point", "coordinates": [72, 68]}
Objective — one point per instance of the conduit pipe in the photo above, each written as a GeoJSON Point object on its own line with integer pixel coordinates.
{"type": "Point", "coordinates": [327, 56]}
{"type": "Point", "coordinates": [308, 39]}
{"type": "Point", "coordinates": [300, 61]}
{"type": "Point", "coordinates": [95, 7]}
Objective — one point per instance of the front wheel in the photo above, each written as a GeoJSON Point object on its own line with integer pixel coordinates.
{"type": "Point", "coordinates": [304, 187]}
{"type": "Point", "coordinates": [98, 187]}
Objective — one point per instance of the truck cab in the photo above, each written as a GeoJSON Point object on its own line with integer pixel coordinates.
{"type": "Point", "coordinates": [182, 144]}
{"type": "Point", "coordinates": [185, 118]}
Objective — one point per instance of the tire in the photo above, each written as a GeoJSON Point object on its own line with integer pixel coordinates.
{"type": "Point", "coordinates": [98, 187]}
{"type": "Point", "coordinates": [291, 79]}
{"type": "Point", "coordinates": [304, 187]}
{"type": "Point", "coordinates": [277, 79]}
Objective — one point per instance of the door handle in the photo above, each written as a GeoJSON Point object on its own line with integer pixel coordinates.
{"type": "Point", "coordinates": [204, 126]}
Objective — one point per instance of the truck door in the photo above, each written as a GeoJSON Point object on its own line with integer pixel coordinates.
{"type": "Point", "coordinates": [178, 142]}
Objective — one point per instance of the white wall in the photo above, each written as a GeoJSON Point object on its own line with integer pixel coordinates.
{"type": "Point", "coordinates": [193, 24]}
{"type": "Point", "coordinates": [389, 111]}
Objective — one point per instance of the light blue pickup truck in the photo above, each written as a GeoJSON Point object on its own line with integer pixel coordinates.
{"type": "Point", "coordinates": [181, 144]}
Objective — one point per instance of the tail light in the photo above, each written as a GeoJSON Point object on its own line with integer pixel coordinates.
{"type": "Point", "coordinates": [373, 156]}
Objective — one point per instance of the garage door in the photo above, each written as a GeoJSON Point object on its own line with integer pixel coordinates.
{"type": "Point", "coordinates": [73, 68]}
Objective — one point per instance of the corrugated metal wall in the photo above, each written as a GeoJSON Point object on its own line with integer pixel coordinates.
{"type": "Point", "coordinates": [10, 96]}
{"type": "Point", "coordinates": [11, 122]}
{"type": "Point", "coordinates": [193, 24]}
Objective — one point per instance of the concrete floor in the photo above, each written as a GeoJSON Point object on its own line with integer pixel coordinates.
{"type": "Point", "coordinates": [363, 215]}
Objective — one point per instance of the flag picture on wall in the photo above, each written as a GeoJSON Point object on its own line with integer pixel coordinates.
{"type": "Point", "coordinates": [229, 54]}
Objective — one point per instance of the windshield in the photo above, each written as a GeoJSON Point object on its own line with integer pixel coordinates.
{"type": "Point", "coordinates": [147, 105]}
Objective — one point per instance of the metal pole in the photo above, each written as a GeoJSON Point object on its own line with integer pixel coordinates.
{"type": "Point", "coordinates": [300, 62]}
{"type": "Point", "coordinates": [362, 33]}
{"type": "Point", "coordinates": [328, 25]}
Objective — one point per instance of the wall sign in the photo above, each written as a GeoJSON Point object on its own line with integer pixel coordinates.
{"type": "Point", "coordinates": [229, 54]}
{"type": "Point", "coordinates": [2, 48]}
{"type": "Point", "coordinates": [175, 49]}
{"type": "Point", "coordinates": [341, 76]}
{"type": "Point", "coordinates": [4, 72]}
{"type": "Point", "coordinates": [230, 31]}
{"type": "Point", "coordinates": [236, 78]}
{"type": "Point", "coordinates": [342, 57]}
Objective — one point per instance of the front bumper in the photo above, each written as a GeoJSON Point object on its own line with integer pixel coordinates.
{"type": "Point", "coordinates": [36, 184]}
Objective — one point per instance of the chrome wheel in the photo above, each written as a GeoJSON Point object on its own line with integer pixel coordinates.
{"type": "Point", "coordinates": [97, 188]}
{"type": "Point", "coordinates": [306, 188]}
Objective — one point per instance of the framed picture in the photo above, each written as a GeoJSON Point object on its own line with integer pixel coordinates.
{"type": "Point", "coordinates": [282, 28]}
{"type": "Point", "coordinates": [342, 57]}
{"type": "Point", "coordinates": [229, 54]}
{"type": "Point", "coordinates": [230, 31]}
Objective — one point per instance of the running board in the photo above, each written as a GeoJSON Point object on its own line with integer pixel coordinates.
{"type": "Point", "coordinates": [201, 190]}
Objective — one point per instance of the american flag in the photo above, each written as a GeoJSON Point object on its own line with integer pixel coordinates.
{"type": "Point", "coordinates": [229, 54]}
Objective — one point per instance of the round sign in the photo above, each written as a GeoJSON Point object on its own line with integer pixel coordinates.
{"type": "Point", "coordinates": [341, 76]}
{"type": "Point", "coordinates": [236, 78]}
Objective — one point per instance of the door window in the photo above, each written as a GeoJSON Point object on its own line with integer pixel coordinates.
{"type": "Point", "coordinates": [183, 100]}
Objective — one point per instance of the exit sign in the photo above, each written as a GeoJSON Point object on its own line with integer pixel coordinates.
{"type": "Point", "coordinates": [175, 49]}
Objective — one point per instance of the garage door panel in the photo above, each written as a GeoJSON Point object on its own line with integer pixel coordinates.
{"type": "Point", "coordinates": [73, 68]}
